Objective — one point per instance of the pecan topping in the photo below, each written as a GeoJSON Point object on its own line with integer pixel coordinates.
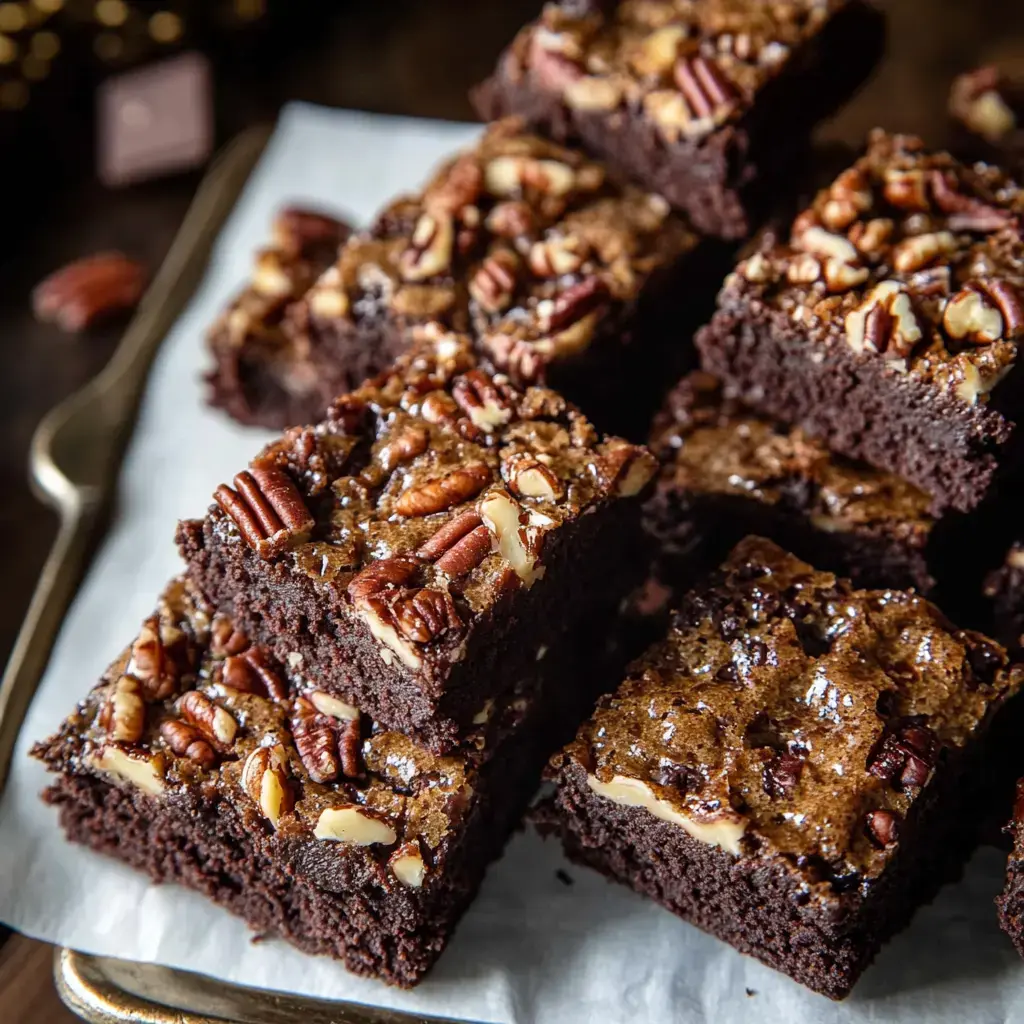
{"type": "Point", "coordinates": [528, 477]}
{"type": "Point", "coordinates": [450, 534]}
{"type": "Point", "coordinates": [485, 401]}
{"type": "Point", "coordinates": [252, 672]}
{"type": "Point", "coordinates": [509, 176]}
{"type": "Point", "coordinates": [267, 509]}
{"type": "Point", "coordinates": [884, 323]}
{"type": "Point", "coordinates": [185, 741]}
{"type": "Point", "coordinates": [265, 779]}
{"type": "Point", "coordinates": [467, 553]}
{"type": "Point", "coordinates": [919, 250]}
{"type": "Point", "coordinates": [519, 358]}
{"type": "Point", "coordinates": [709, 95]}
{"type": "Point", "coordinates": [151, 663]}
{"type": "Point", "coordinates": [404, 445]}
{"type": "Point", "coordinates": [984, 312]}
{"type": "Point", "coordinates": [437, 495]}
{"type": "Point", "coordinates": [430, 251]}
{"type": "Point", "coordinates": [460, 187]}
{"type": "Point", "coordinates": [557, 255]}
{"type": "Point", "coordinates": [492, 286]}
{"type": "Point", "coordinates": [906, 190]}
{"type": "Point", "coordinates": [381, 575]}
{"type": "Point", "coordinates": [423, 615]}
{"type": "Point", "coordinates": [511, 219]}
{"type": "Point", "coordinates": [577, 301]}
{"type": "Point", "coordinates": [124, 715]}
{"type": "Point", "coordinates": [624, 469]}
{"type": "Point", "coordinates": [882, 827]}
{"type": "Point", "coordinates": [225, 639]}
{"type": "Point", "coordinates": [326, 745]}
{"type": "Point", "coordinates": [965, 213]}
{"type": "Point", "coordinates": [216, 724]}
{"type": "Point", "coordinates": [89, 290]}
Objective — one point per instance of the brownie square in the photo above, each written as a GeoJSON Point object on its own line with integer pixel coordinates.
{"type": "Point", "coordinates": [421, 549]}
{"type": "Point", "coordinates": [986, 107]}
{"type": "Point", "coordinates": [728, 471]}
{"type": "Point", "coordinates": [560, 274]}
{"type": "Point", "coordinates": [794, 768]}
{"type": "Point", "coordinates": [707, 103]}
{"type": "Point", "coordinates": [257, 377]}
{"type": "Point", "coordinates": [201, 759]}
{"type": "Point", "coordinates": [889, 325]}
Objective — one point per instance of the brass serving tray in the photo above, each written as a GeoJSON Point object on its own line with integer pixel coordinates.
{"type": "Point", "coordinates": [74, 458]}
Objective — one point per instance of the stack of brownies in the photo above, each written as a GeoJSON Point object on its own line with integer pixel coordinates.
{"type": "Point", "coordinates": [340, 711]}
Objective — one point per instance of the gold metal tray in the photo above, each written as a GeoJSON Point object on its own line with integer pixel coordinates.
{"type": "Point", "coordinates": [74, 459]}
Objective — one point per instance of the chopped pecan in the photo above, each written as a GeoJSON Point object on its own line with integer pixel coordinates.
{"type": "Point", "coordinates": [303, 234]}
{"type": "Point", "coordinates": [511, 219]}
{"type": "Point", "coordinates": [557, 254]}
{"type": "Point", "coordinates": [966, 213]}
{"type": "Point", "coordinates": [381, 575]}
{"type": "Point", "coordinates": [884, 323]}
{"type": "Point", "coordinates": [89, 290]}
{"type": "Point", "coordinates": [458, 486]}
{"type": "Point", "coordinates": [215, 723]}
{"type": "Point", "coordinates": [517, 542]}
{"type": "Point", "coordinates": [624, 469]}
{"type": "Point", "coordinates": [403, 445]}
{"type": "Point", "coordinates": [267, 509]}
{"type": "Point", "coordinates": [225, 639]}
{"type": "Point", "coordinates": [185, 741]}
{"type": "Point", "coordinates": [493, 285]}
{"type": "Point", "coordinates": [882, 827]}
{"type": "Point", "coordinates": [919, 250]}
{"type": "Point", "coordinates": [906, 189]}
{"type": "Point", "coordinates": [509, 176]}
{"type": "Point", "coordinates": [487, 402]}
{"type": "Point", "coordinates": [709, 95]}
{"type": "Point", "coordinates": [265, 779]}
{"type": "Point", "coordinates": [577, 301]}
{"type": "Point", "coordinates": [529, 477]}
{"type": "Point", "coordinates": [520, 359]}
{"type": "Point", "coordinates": [430, 249]}
{"type": "Point", "coordinates": [984, 311]}
{"type": "Point", "coordinates": [151, 662]}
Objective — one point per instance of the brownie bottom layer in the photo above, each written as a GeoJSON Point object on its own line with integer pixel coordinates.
{"type": "Point", "coordinates": [1011, 902]}
{"type": "Point", "coordinates": [756, 903]}
{"type": "Point", "coordinates": [947, 448]}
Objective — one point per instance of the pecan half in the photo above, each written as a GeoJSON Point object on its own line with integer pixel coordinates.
{"type": "Point", "coordinates": [382, 575]}
{"type": "Point", "coordinates": [225, 639]}
{"type": "Point", "coordinates": [966, 213]}
{"type": "Point", "coordinates": [509, 176]}
{"type": "Point", "coordinates": [466, 554]}
{"type": "Point", "coordinates": [424, 615]}
{"type": "Point", "coordinates": [267, 508]}
{"type": "Point", "coordinates": [185, 741]}
{"type": "Point", "coordinates": [324, 743]}
{"type": "Point", "coordinates": [450, 534]}
{"type": "Point", "coordinates": [152, 663]}
{"type": "Point", "coordinates": [89, 290]}
{"type": "Point", "coordinates": [458, 188]}
{"type": "Point", "coordinates": [884, 323]}
{"type": "Point", "coordinates": [557, 255]}
{"type": "Point", "coordinates": [438, 495]}
{"type": "Point", "coordinates": [577, 301]}
{"type": "Point", "coordinates": [430, 249]}
{"type": "Point", "coordinates": [709, 95]}
{"type": "Point", "coordinates": [253, 671]}
{"type": "Point", "coordinates": [215, 723]}
{"type": "Point", "coordinates": [124, 714]}
{"type": "Point", "coordinates": [265, 779]}
{"type": "Point", "coordinates": [984, 311]}
{"type": "Point", "coordinates": [403, 445]}
{"type": "Point", "coordinates": [493, 285]}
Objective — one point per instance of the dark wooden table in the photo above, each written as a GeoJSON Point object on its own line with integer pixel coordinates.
{"type": "Point", "coordinates": [403, 57]}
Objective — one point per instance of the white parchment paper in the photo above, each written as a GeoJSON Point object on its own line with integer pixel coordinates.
{"type": "Point", "coordinates": [532, 948]}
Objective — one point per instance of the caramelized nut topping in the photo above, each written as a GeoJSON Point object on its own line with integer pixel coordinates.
{"type": "Point", "coordinates": [267, 509]}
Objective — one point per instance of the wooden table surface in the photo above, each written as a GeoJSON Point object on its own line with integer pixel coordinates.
{"type": "Point", "coordinates": [403, 57]}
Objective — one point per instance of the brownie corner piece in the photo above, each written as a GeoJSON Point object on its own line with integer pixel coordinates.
{"type": "Point", "coordinates": [889, 324]}
{"type": "Point", "coordinates": [705, 103]}
{"type": "Point", "coordinates": [794, 768]}
{"type": "Point", "coordinates": [200, 758]}
{"type": "Point", "coordinates": [420, 549]}
{"type": "Point", "coordinates": [257, 377]}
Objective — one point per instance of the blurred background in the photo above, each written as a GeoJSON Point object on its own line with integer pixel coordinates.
{"type": "Point", "coordinates": [110, 110]}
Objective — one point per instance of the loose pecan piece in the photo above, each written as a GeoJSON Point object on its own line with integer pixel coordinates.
{"type": "Point", "coordinates": [89, 290]}
{"type": "Point", "coordinates": [267, 508]}
{"type": "Point", "coordinates": [444, 493]}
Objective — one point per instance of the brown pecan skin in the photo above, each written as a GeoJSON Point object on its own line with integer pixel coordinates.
{"type": "Point", "coordinates": [185, 741]}
{"type": "Point", "coordinates": [381, 575]}
{"type": "Point", "coordinates": [225, 639]}
{"type": "Point", "coordinates": [577, 301]}
{"type": "Point", "coordinates": [302, 233]}
{"type": "Point", "coordinates": [315, 741]}
{"type": "Point", "coordinates": [438, 495]}
{"type": "Point", "coordinates": [152, 663]}
{"type": "Point", "coordinates": [424, 615]}
{"type": "Point", "coordinates": [882, 827]}
{"type": "Point", "coordinates": [89, 290]}
{"type": "Point", "coordinates": [404, 445]}
{"type": "Point", "coordinates": [252, 671]}
{"type": "Point", "coordinates": [450, 534]}
{"type": "Point", "coordinates": [467, 553]}
{"type": "Point", "coordinates": [215, 724]}
{"type": "Point", "coordinates": [704, 86]}
{"type": "Point", "coordinates": [267, 508]}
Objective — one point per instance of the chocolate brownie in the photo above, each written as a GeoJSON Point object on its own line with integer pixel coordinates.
{"type": "Point", "coordinates": [986, 106]}
{"type": "Point", "coordinates": [560, 274]}
{"type": "Point", "coordinates": [422, 547]}
{"type": "Point", "coordinates": [794, 768]}
{"type": "Point", "coordinates": [889, 325]}
{"type": "Point", "coordinates": [708, 103]}
{"type": "Point", "coordinates": [1011, 901]}
{"type": "Point", "coordinates": [257, 377]}
{"type": "Point", "coordinates": [202, 759]}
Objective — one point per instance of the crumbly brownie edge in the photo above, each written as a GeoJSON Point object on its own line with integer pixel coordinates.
{"type": "Point", "coordinates": [756, 904]}
{"type": "Point", "coordinates": [1010, 903]}
{"type": "Point", "coordinates": [949, 449]}
{"type": "Point", "coordinates": [602, 560]}
{"type": "Point", "coordinates": [724, 181]}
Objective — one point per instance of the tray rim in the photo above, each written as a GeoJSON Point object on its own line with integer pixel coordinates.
{"type": "Point", "coordinates": [107, 990]}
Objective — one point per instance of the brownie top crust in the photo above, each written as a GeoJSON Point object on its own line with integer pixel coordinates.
{"type": "Point", "coordinates": [523, 242]}
{"type": "Point", "coordinates": [425, 498]}
{"type": "Point", "coordinates": [191, 710]}
{"type": "Point", "coordinates": [710, 444]}
{"type": "Point", "coordinates": [688, 67]}
{"type": "Point", "coordinates": [909, 258]}
{"type": "Point", "coordinates": [303, 243]}
{"type": "Point", "coordinates": [788, 714]}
